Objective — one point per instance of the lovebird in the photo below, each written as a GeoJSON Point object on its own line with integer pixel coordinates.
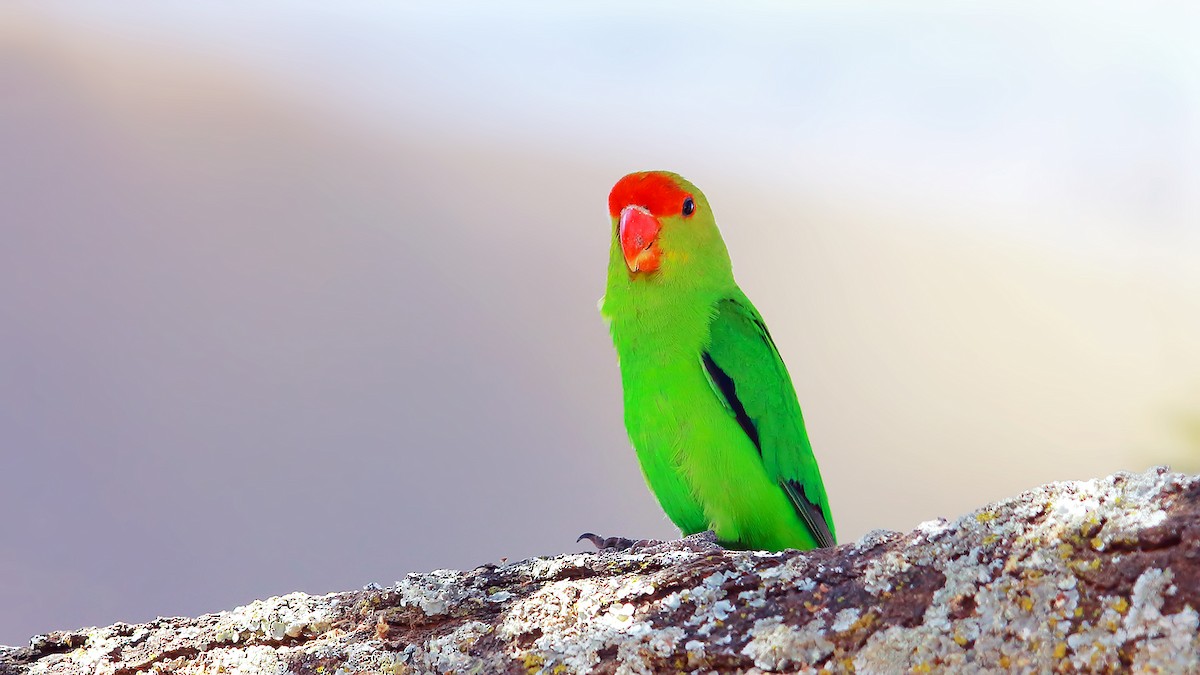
{"type": "Point", "coordinates": [709, 406]}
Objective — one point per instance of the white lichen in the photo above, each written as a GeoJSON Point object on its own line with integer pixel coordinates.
{"type": "Point", "coordinates": [845, 619]}
{"type": "Point", "coordinates": [775, 645]}
{"type": "Point", "coordinates": [434, 592]}
{"type": "Point", "coordinates": [882, 570]}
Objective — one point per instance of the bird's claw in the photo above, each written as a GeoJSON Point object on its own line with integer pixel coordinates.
{"type": "Point", "coordinates": [701, 542]}
{"type": "Point", "coordinates": [609, 543]}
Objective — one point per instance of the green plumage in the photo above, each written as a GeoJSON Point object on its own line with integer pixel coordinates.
{"type": "Point", "coordinates": [709, 406]}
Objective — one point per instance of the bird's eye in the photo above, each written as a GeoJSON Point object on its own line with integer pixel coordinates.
{"type": "Point", "coordinates": [689, 206]}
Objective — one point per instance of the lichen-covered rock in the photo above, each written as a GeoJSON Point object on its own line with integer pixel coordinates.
{"type": "Point", "coordinates": [1098, 576]}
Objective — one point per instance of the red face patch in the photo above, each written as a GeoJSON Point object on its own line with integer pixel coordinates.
{"type": "Point", "coordinates": [656, 192]}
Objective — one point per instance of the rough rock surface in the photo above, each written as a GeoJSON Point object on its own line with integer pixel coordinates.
{"type": "Point", "coordinates": [1077, 576]}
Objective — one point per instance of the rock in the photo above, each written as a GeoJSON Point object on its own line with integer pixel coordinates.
{"type": "Point", "coordinates": [1091, 576]}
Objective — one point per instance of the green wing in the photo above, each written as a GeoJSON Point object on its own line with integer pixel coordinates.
{"type": "Point", "coordinates": [745, 370]}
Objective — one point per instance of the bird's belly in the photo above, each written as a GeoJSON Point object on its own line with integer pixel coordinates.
{"type": "Point", "coordinates": [661, 434]}
{"type": "Point", "coordinates": [704, 469]}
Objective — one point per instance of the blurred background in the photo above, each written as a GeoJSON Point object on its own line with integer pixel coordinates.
{"type": "Point", "coordinates": [303, 296]}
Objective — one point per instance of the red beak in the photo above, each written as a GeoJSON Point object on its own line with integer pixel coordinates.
{"type": "Point", "coordinates": [638, 232]}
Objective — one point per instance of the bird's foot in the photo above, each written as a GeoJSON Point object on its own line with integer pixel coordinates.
{"type": "Point", "coordinates": [701, 542]}
{"type": "Point", "coordinates": [617, 543]}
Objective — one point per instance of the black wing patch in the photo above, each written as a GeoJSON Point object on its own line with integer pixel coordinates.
{"type": "Point", "coordinates": [729, 391]}
{"type": "Point", "coordinates": [809, 512]}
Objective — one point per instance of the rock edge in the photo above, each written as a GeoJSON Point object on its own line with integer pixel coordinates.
{"type": "Point", "coordinates": [1095, 576]}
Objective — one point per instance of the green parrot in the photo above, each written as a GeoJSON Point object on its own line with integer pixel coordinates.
{"type": "Point", "coordinates": [709, 406]}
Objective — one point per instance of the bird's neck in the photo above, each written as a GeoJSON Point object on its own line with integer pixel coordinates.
{"type": "Point", "coordinates": [655, 319]}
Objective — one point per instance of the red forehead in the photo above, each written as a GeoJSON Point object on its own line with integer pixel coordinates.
{"type": "Point", "coordinates": [656, 192]}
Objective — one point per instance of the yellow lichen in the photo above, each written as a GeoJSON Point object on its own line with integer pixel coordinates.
{"type": "Point", "coordinates": [1121, 605]}
{"type": "Point", "coordinates": [865, 621]}
{"type": "Point", "coordinates": [985, 517]}
{"type": "Point", "coordinates": [532, 662]}
{"type": "Point", "coordinates": [1060, 650]}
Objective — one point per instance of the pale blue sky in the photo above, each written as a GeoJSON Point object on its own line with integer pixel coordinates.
{"type": "Point", "coordinates": [1091, 114]}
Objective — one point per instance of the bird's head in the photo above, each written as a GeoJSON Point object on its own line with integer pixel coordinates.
{"type": "Point", "coordinates": [662, 225]}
